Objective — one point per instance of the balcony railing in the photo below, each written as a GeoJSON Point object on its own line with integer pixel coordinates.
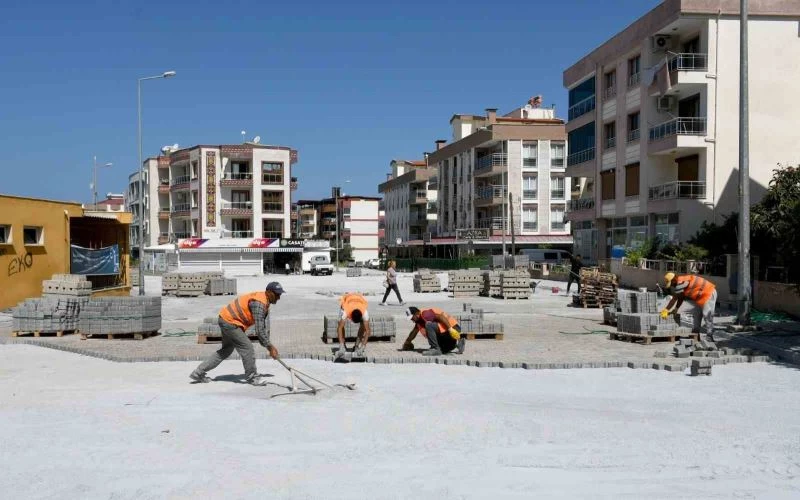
{"type": "Point", "coordinates": [279, 234]}
{"type": "Point", "coordinates": [634, 80]}
{"type": "Point", "coordinates": [490, 223]}
{"type": "Point", "coordinates": [490, 192]}
{"type": "Point", "coordinates": [530, 225]}
{"type": "Point", "coordinates": [688, 62]}
{"type": "Point", "coordinates": [580, 204]}
{"type": "Point", "coordinates": [633, 135]}
{"type": "Point", "coordinates": [557, 194]}
{"type": "Point", "coordinates": [237, 176]}
{"type": "Point", "coordinates": [581, 108]}
{"type": "Point", "coordinates": [610, 92]}
{"type": "Point", "coordinates": [180, 207]}
{"type": "Point", "coordinates": [558, 226]}
{"type": "Point", "coordinates": [163, 238]}
{"type": "Point", "coordinates": [530, 194]}
{"type": "Point", "coordinates": [491, 160]}
{"type": "Point", "coordinates": [679, 126]}
{"type": "Point", "coordinates": [272, 207]}
{"type": "Point", "coordinates": [557, 161]}
{"type": "Point", "coordinates": [181, 179]}
{"type": "Point", "coordinates": [237, 205]}
{"type": "Point", "coordinates": [611, 142]}
{"type": "Point", "coordinates": [181, 236]}
{"type": "Point", "coordinates": [678, 189]}
{"type": "Point", "coordinates": [580, 157]}
{"type": "Point", "coordinates": [530, 162]}
{"type": "Point", "coordinates": [237, 234]}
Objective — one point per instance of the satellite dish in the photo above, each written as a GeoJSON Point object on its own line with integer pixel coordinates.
{"type": "Point", "coordinates": [256, 139]}
{"type": "Point", "coordinates": [175, 147]}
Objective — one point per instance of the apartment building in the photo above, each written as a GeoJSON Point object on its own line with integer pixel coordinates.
{"type": "Point", "coordinates": [410, 201]}
{"type": "Point", "coordinates": [653, 120]}
{"type": "Point", "coordinates": [309, 221]}
{"type": "Point", "coordinates": [355, 222]}
{"type": "Point", "coordinates": [521, 154]}
{"type": "Point", "coordinates": [229, 195]}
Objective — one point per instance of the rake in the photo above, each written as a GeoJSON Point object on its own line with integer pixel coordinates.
{"type": "Point", "coordinates": [310, 388]}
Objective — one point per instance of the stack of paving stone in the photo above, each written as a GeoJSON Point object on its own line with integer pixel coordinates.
{"type": "Point", "coordinates": [47, 315]}
{"type": "Point", "coordinates": [68, 286]}
{"type": "Point", "coordinates": [221, 286]}
{"type": "Point", "coordinates": [597, 289]}
{"type": "Point", "coordinates": [353, 272]}
{"type": "Point", "coordinates": [515, 285]}
{"type": "Point", "coordinates": [426, 282]}
{"type": "Point", "coordinates": [491, 284]}
{"type": "Point", "coordinates": [473, 324]}
{"type": "Point", "coordinates": [191, 285]}
{"type": "Point", "coordinates": [169, 283]}
{"type": "Point", "coordinates": [121, 315]}
{"type": "Point", "coordinates": [703, 348]}
{"type": "Point", "coordinates": [467, 283]}
{"type": "Point", "coordinates": [511, 261]}
{"type": "Point", "coordinates": [134, 274]}
{"type": "Point", "coordinates": [638, 313]}
{"type": "Point", "coordinates": [381, 327]}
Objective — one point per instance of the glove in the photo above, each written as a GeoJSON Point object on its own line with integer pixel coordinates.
{"type": "Point", "coordinates": [664, 314]}
{"type": "Point", "coordinates": [408, 346]}
{"type": "Point", "coordinates": [273, 352]}
{"type": "Point", "coordinates": [454, 333]}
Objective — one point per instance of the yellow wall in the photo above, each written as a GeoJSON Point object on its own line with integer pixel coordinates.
{"type": "Point", "coordinates": [24, 267]}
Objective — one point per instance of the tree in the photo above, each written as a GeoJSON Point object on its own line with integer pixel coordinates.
{"type": "Point", "coordinates": [346, 253]}
{"type": "Point", "coordinates": [777, 217]}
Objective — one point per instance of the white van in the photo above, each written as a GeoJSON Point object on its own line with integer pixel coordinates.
{"type": "Point", "coordinates": [546, 256]}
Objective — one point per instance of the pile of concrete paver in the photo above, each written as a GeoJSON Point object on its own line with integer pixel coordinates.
{"type": "Point", "coordinates": [121, 315]}
{"type": "Point", "coordinates": [638, 313]}
{"type": "Point", "coordinates": [381, 327]}
{"type": "Point", "coordinates": [353, 272]}
{"type": "Point", "coordinates": [67, 286]}
{"type": "Point", "coordinates": [197, 283]}
{"type": "Point", "coordinates": [509, 284]}
{"type": "Point", "coordinates": [47, 315]}
{"type": "Point", "coordinates": [467, 283]}
{"type": "Point", "coordinates": [426, 282]}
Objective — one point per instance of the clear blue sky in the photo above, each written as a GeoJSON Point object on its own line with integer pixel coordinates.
{"type": "Point", "coordinates": [350, 85]}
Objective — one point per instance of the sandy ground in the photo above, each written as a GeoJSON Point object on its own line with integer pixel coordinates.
{"type": "Point", "coordinates": [79, 427]}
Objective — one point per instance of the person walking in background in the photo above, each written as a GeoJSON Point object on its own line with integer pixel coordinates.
{"type": "Point", "coordinates": [576, 263]}
{"type": "Point", "coordinates": [234, 319]}
{"type": "Point", "coordinates": [391, 283]}
{"type": "Point", "coordinates": [288, 268]}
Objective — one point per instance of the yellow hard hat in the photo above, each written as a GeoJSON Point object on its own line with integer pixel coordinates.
{"type": "Point", "coordinates": [668, 278]}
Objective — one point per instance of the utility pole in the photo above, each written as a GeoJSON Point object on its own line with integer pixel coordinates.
{"type": "Point", "coordinates": [744, 172]}
{"type": "Point", "coordinates": [503, 194]}
{"type": "Point", "coordinates": [511, 219]}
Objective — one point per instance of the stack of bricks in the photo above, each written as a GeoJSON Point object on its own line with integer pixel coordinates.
{"type": "Point", "coordinates": [491, 284]}
{"type": "Point", "coordinates": [426, 282]}
{"type": "Point", "coordinates": [48, 314]}
{"type": "Point", "coordinates": [465, 283]}
{"type": "Point", "coordinates": [196, 284]}
{"type": "Point", "coordinates": [703, 348]}
{"type": "Point", "coordinates": [515, 285]}
{"type": "Point", "coordinates": [381, 327]}
{"type": "Point", "coordinates": [353, 272]}
{"type": "Point", "coordinates": [67, 286]}
{"type": "Point", "coordinates": [169, 283]}
{"type": "Point", "coordinates": [121, 315]}
{"type": "Point", "coordinates": [597, 289]}
{"type": "Point", "coordinates": [221, 286]}
{"type": "Point", "coordinates": [638, 313]}
{"type": "Point", "coordinates": [474, 323]}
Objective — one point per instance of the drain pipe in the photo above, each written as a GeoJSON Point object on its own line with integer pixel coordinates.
{"type": "Point", "coordinates": [716, 114]}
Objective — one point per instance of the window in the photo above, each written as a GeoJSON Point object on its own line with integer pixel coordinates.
{"type": "Point", "coordinates": [530, 187]}
{"type": "Point", "coordinates": [557, 187]}
{"type": "Point", "coordinates": [272, 228]}
{"type": "Point", "coordinates": [632, 179]}
{"type": "Point", "coordinates": [530, 151]}
{"type": "Point", "coordinates": [608, 180]}
{"type": "Point", "coordinates": [32, 235]}
{"type": "Point", "coordinates": [530, 219]}
{"type": "Point", "coordinates": [5, 235]}
{"type": "Point", "coordinates": [666, 226]}
{"type": "Point", "coordinates": [557, 218]}
{"type": "Point", "coordinates": [610, 135]}
{"type": "Point", "coordinates": [194, 169]}
{"type": "Point", "coordinates": [610, 84]}
{"type": "Point", "coordinates": [637, 231]}
{"type": "Point", "coordinates": [272, 202]}
{"type": "Point", "coordinates": [633, 71]}
{"type": "Point", "coordinates": [195, 198]}
{"type": "Point", "coordinates": [557, 154]}
{"type": "Point", "coordinates": [633, 127]}
{"type": "Point", "coordinates": [272, 173]}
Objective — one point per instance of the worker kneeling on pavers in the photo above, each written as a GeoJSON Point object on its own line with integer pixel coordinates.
{"type": "Point", "coordinates": [353, 308]}
{"type": "Point", "coordinates": [442, 331]}
{"type": "Point", "coordinates": [700, 292]}
{"type": "Point", "coordinates": [234, 320]}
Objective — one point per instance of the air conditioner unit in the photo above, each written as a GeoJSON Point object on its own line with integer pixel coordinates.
{"type": "Point", "coordinates": [665, 103]}
{"type": "Point", "coordinates": [661, 43]}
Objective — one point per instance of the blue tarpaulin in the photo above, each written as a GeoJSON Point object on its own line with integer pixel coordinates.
{"type": "Point", "coordinates": [95, 262]}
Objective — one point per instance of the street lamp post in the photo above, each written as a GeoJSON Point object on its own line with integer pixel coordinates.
{"type": "Point", "coordinates": [94, 180]}
{"type": "Point", "coordinates": [166, 74]}
{"type": "Point", "coordinates": [336, 194]}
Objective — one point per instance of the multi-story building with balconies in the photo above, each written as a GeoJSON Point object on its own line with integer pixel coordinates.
{"type": "Point", "coordinates": [521, 154]}
{"type": "Point", "coordinates": [354, 224]}
{"type": "Point", "coordinates": [410, 201]}
{"type": "Point", "coordinates": [653, 120]}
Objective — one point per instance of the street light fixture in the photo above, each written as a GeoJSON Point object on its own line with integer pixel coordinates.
{"type": "Point", "coordinates": [166, 74]}
{"type": "Point", "coordinates": [94, 180]}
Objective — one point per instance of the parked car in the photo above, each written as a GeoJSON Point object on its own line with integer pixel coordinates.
{"type": "Point", "coordinates": [321, 264]}
{"type": "Point", "coordinates": [374, 263]}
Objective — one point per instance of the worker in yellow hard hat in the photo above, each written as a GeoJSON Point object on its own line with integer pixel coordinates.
{"type": "Point", "coordinates": [700, 292]}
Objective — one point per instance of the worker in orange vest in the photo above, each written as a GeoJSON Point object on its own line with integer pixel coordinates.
{"type": "Point", "coordinates": [700, 292]}
{"type": "Point", "coordinates": [247, 310]}
{"type": "Point", "coordinates": [353, 307]}
{"type": "Point", "coordinates": [441, 329]}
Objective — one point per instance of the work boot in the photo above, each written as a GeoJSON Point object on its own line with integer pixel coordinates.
{"type": "Point", "coordinates": [199, 378]}
{"type": "Point", "coordinates": [402, 303]}
{"type": "Point", "coordinates": [382, 304]}
{"type": "Point", "coordinates": [341, 352]}
{"type": "Point", "coordinates": [257, 380]}
{"type": "Point", "coordinates": [358, 352]}
{"type": "Point", "coordinates": [432, 352]}
{"type": "Point", "coordinates": [461, 344]}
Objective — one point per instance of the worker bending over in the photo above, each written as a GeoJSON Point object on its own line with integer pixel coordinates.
{"type": "Point", "coordinates": [234, 320]}
{"type": "Point", "coordinates": [353, 308]}
{"type": "Point", "coordinates": [700, 292]}
{"type": "Point", "coordinates": [441, 329]}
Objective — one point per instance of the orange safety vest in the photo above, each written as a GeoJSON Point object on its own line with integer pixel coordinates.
{"type": "Point", "coordinates": [435, 311]}
{"type": "Point", "coordinates": [238, 312]}
{"type": "Point", "coordinates": [698, 290]}
{"type": "Point", "coordinates": [352, 301]}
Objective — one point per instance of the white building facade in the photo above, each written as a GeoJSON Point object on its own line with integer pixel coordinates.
{"type": "Point", "coordinates": [410, 198]}
{"type": "Point", "coordinates": [653, 120]}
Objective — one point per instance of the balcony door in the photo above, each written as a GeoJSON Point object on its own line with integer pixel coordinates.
{"type": "Point", "coordinates": [689, 168]}
{"type": "Point", "coordinates": [689, 107]}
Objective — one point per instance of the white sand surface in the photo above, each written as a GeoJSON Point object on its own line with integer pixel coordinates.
{"type": "Point", "coordinates": [79, 427]}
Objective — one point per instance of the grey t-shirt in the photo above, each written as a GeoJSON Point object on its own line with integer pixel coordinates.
{"type": "Point", "coordinates": [391, 276]}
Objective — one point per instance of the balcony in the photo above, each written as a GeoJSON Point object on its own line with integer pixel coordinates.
{"type": "Point", "coordinates": [329, 234]}
{"type": "Point", "coordinates": [182, 236]}
{"type": "Point", "coordinates": [491, 164]}
{"type": "Point", "coordinates": [418, 221]}
{"type": "Point", "coordinates": [581, 108]}
{"type": "Point", "coordinates": [163, 186]}
{"type": "Point", "coordinates": [236, 179]}
{"type": "Point", "coordinates": [686, 75]}
{"type": "Point", "coordinates": [678, 133]}
{"type": "Point", "coordinates": [580, 204]}
{"type": "Point", "coordinates": [418, 197]}
{"type": "Point", "coordinates": [688, 62]}
{"type": "Point", "coordinates": [163, 238]}
{"type": "Point", "coordinates": [580, 157]}
{"type": "Point", "coordinates": [180, 209]}
{"type": "Point", "coordinates": [180, 182]}
{"type": "Point", "coordinates": [634, 80]}
{"type": "Point", "coordinates": [237, 234]}
{"type": "Point", "coordinates": [293, 184]}
{"type": "Point", "coordinates": [433, 207]}
{"type": "Point", "coordinates": [490, 195]}
{"type": "Point", "coordinates": [236, 208]}
{"type": "Point", "coordinates": [272, 207]}
{"type": "Point", "coordinates": [493, 223]}
{"type": "Point", "coordinates": [678, 189]}
{"type": "Point", "coordinates": [163, 213]}
{"type": "Point", "coordinates": [633, 135]}
{"type": "Point", "coordinates": [581, 164]}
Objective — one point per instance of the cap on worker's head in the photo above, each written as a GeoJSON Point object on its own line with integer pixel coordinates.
{"type": "Point", "coordinates": [275, 287]}
{"type": "Point", "coordinates": [668, 278]}
{"type": "Point", "coordinates": [411, 311]}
